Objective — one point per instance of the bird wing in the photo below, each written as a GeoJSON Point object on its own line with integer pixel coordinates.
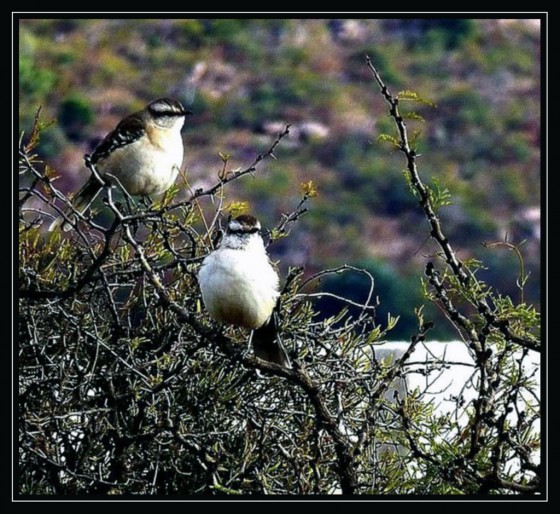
{"type": "Point", "coordinates": [130, 129]}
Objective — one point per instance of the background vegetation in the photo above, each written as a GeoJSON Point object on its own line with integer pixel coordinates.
{"type": "Point", "coordinates": [247, 78]}
{"type": "Point", "coordinates": [125, 384]}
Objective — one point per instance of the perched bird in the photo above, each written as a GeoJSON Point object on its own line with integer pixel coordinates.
{"type": "Point", "coordinates": [143, 153]}
{"type": "Point", "coordinates": [240, 287]}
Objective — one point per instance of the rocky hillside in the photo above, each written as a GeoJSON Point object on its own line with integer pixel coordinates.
{"type": "Point", "coordinates": [245, 79]}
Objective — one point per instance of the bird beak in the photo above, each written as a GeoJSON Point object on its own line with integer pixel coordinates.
{"type": "Point", "coordinates": [186, 112]}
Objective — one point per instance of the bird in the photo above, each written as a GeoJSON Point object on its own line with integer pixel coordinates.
{"type": "Point", "coordinates": [143, 154]}
{"type": "Point", "coordinates": [240, 287]}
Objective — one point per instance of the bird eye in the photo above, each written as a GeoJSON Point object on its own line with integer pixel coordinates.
{"type": "Point", "coordinates": [252, 230]}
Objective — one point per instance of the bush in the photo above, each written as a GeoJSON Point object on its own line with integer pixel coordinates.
{"type": "Point", "coordinates": [398, 293]}
{"type": "Point", "coordinates": [446, 33]}
{"type": "Point", "coordinates": [75, 115]}
{"type": "Point", "coordinates": [126, 386]}
{"type": "Point", "coordinates": [35, 80]}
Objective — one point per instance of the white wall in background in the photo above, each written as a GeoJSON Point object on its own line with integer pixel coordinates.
{"type": "Point", "coordinates": [454, 379]}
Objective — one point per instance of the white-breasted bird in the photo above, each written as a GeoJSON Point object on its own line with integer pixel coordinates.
{"type": "Point", "coordinates": [240, 287]}
{"type": "Point", "coordinates": [143, 154]}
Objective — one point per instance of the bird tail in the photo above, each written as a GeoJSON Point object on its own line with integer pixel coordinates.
{"type": "Point", "coordinates": [267, 344]}
{"type": "Point", "coordinates": [83, 199]}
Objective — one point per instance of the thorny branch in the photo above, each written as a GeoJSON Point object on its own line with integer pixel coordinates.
{"type": "Point", "coordinates": [297, 376]}
{"type": "Point", "coordinates": [125, 226]}
{"type": "Point", "coordinates": [458, 268]}
{"type": "Point", "coordinates": [492, 395]}
{"type": "Point", "coordinates": [126, 386]}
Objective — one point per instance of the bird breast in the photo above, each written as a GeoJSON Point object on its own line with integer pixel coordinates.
{"type": "Point", "coordinates": [146, 169]}
{"type": "Point", "coordinates": [239, 287]}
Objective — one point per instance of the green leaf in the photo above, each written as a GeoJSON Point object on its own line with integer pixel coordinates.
{"type": "Point", "coordinates": [224, 156]}
{"type": "Point", "coordinates": [439, 195]}
{"type": "Point", "coordinates": [386, 138]}
{"type": "Point", "coordinates": [412, 116]}
{"type": "Point", "coordinates": [412, 96]}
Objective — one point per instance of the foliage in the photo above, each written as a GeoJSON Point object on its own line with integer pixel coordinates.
{"type": "Point", "coordinates": [449, 33]}
{"type": "Point", "coordinates": [246, 75]}
{"type": "Point", "coordinates": [75, 115]}
{"type": "Point", "coordinates": [35, 80]}
{"type": "Point", "coordinates": [398, 294]}
{"type": "Point", "coordinates": [127, 386]}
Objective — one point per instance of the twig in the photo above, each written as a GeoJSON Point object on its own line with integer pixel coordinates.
{"type": "Point", "coordinates": [436, 232]}
{"type": "Point", "coordinates": [230, 177]}
{"type": "Point", "coordinates": [297, 376]}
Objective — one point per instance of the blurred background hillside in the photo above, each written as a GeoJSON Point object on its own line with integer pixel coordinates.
{"type": "Point", "coordinates": [245, 79]}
